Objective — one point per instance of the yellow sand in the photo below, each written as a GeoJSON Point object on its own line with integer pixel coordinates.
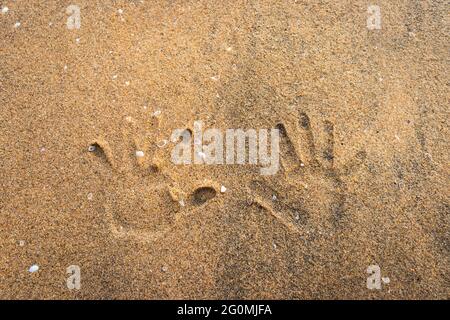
{"type": "Point", "coordinates": [379, 97]}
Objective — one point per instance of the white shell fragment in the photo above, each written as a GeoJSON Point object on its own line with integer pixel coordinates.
{"type": "Point", "coordinates": [91, 148]}
{"type": "Point", "coordinates": [223, 189]}
{"type": "Point", "coordinates": [162, 143]}
{"type": "Point", "coordinates": [33, 268]}
{"type": "Point", "coordinates": [139, 154]}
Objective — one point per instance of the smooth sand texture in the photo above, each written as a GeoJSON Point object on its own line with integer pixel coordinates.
{"type": "Point", "coordinates": [374, 188]}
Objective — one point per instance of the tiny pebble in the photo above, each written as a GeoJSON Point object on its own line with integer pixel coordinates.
{"type": "Point", "coordinates": [127, 83]}
{"type": "Point", "coordinates": [33, 268]}
{"type": "Point", "coordinates": [90, 196]}
{"type": "Point", "coordinates": [120, 11]}
{"type": "Point", "coordinates": [17, 24]}
{"type": "Point", "coordinates": [91, 148]}
{"type": "Point", "coordinates": [21, 243]}
{"type": "Point", "coordinates": [139, 154]}
{"type": "Point", "coordinates": [156, 113]}
{"type": "Point", "coordinates": [223, 189]}
{"type": "Point", "coordinates": [5, 10]}
{"type": "Point", "coordinates": [274, 197]}
{"type": "Point", "coordinates": [215, 78]}
{"type": "Point", "coordinates": [164, 269]}
{"type": "Point", "coordinates": [181, 202]}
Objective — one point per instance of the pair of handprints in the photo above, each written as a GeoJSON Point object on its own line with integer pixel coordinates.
{"type": "Point", "coordinates": [308, 192]}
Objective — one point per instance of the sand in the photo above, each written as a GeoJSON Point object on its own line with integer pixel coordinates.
{"type": "Point", "coordinates": [364, 150]}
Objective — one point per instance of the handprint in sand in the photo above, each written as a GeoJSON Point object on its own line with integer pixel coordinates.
{"type": "Point", "coordinates": [142, 201]}
{"type": "Point", "coordinates": [309, 192]}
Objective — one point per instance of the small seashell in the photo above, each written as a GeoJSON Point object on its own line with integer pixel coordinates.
{"type": "Point", "coordinates": [33, 268]}
{"type": "Point", "coordinates": [162, 143]}
{"type": "Point", "coordinates": [139, 154]}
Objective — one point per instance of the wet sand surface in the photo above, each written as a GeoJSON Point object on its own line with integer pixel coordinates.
{"type": "Point", "coordinates": [364, 176]}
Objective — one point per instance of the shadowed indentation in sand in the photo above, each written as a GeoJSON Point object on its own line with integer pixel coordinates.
{"type": "Point", "coordinates": [203, 195]}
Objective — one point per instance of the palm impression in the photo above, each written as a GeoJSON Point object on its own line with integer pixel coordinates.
{"type": "Point", "coordinates": [308, 194]}
{"type": "Point", "coordinates": [142, 201]}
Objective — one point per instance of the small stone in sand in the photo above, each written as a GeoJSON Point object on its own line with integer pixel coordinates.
{"type": "Point", "coordinates": [120, 11]}
{"type": "Point", "coordinates": [90, 196]}
{"type": "Point", "coordinates": [164, 269]}
{"type": "Point", "coordinates": [5, 10]}
{"type": "Point", "coordinates": [274, 197]}
{"type": "Point", "coordinates": [223, 189]}
{"type": "Point", "coordinates": [17, 24]}
{"type": "Point", "coordinates": [21, 243]}
{"type": "Point", "coordinates": [33, 268]}
{"type": "Point", "coordinates": [91, 148]}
